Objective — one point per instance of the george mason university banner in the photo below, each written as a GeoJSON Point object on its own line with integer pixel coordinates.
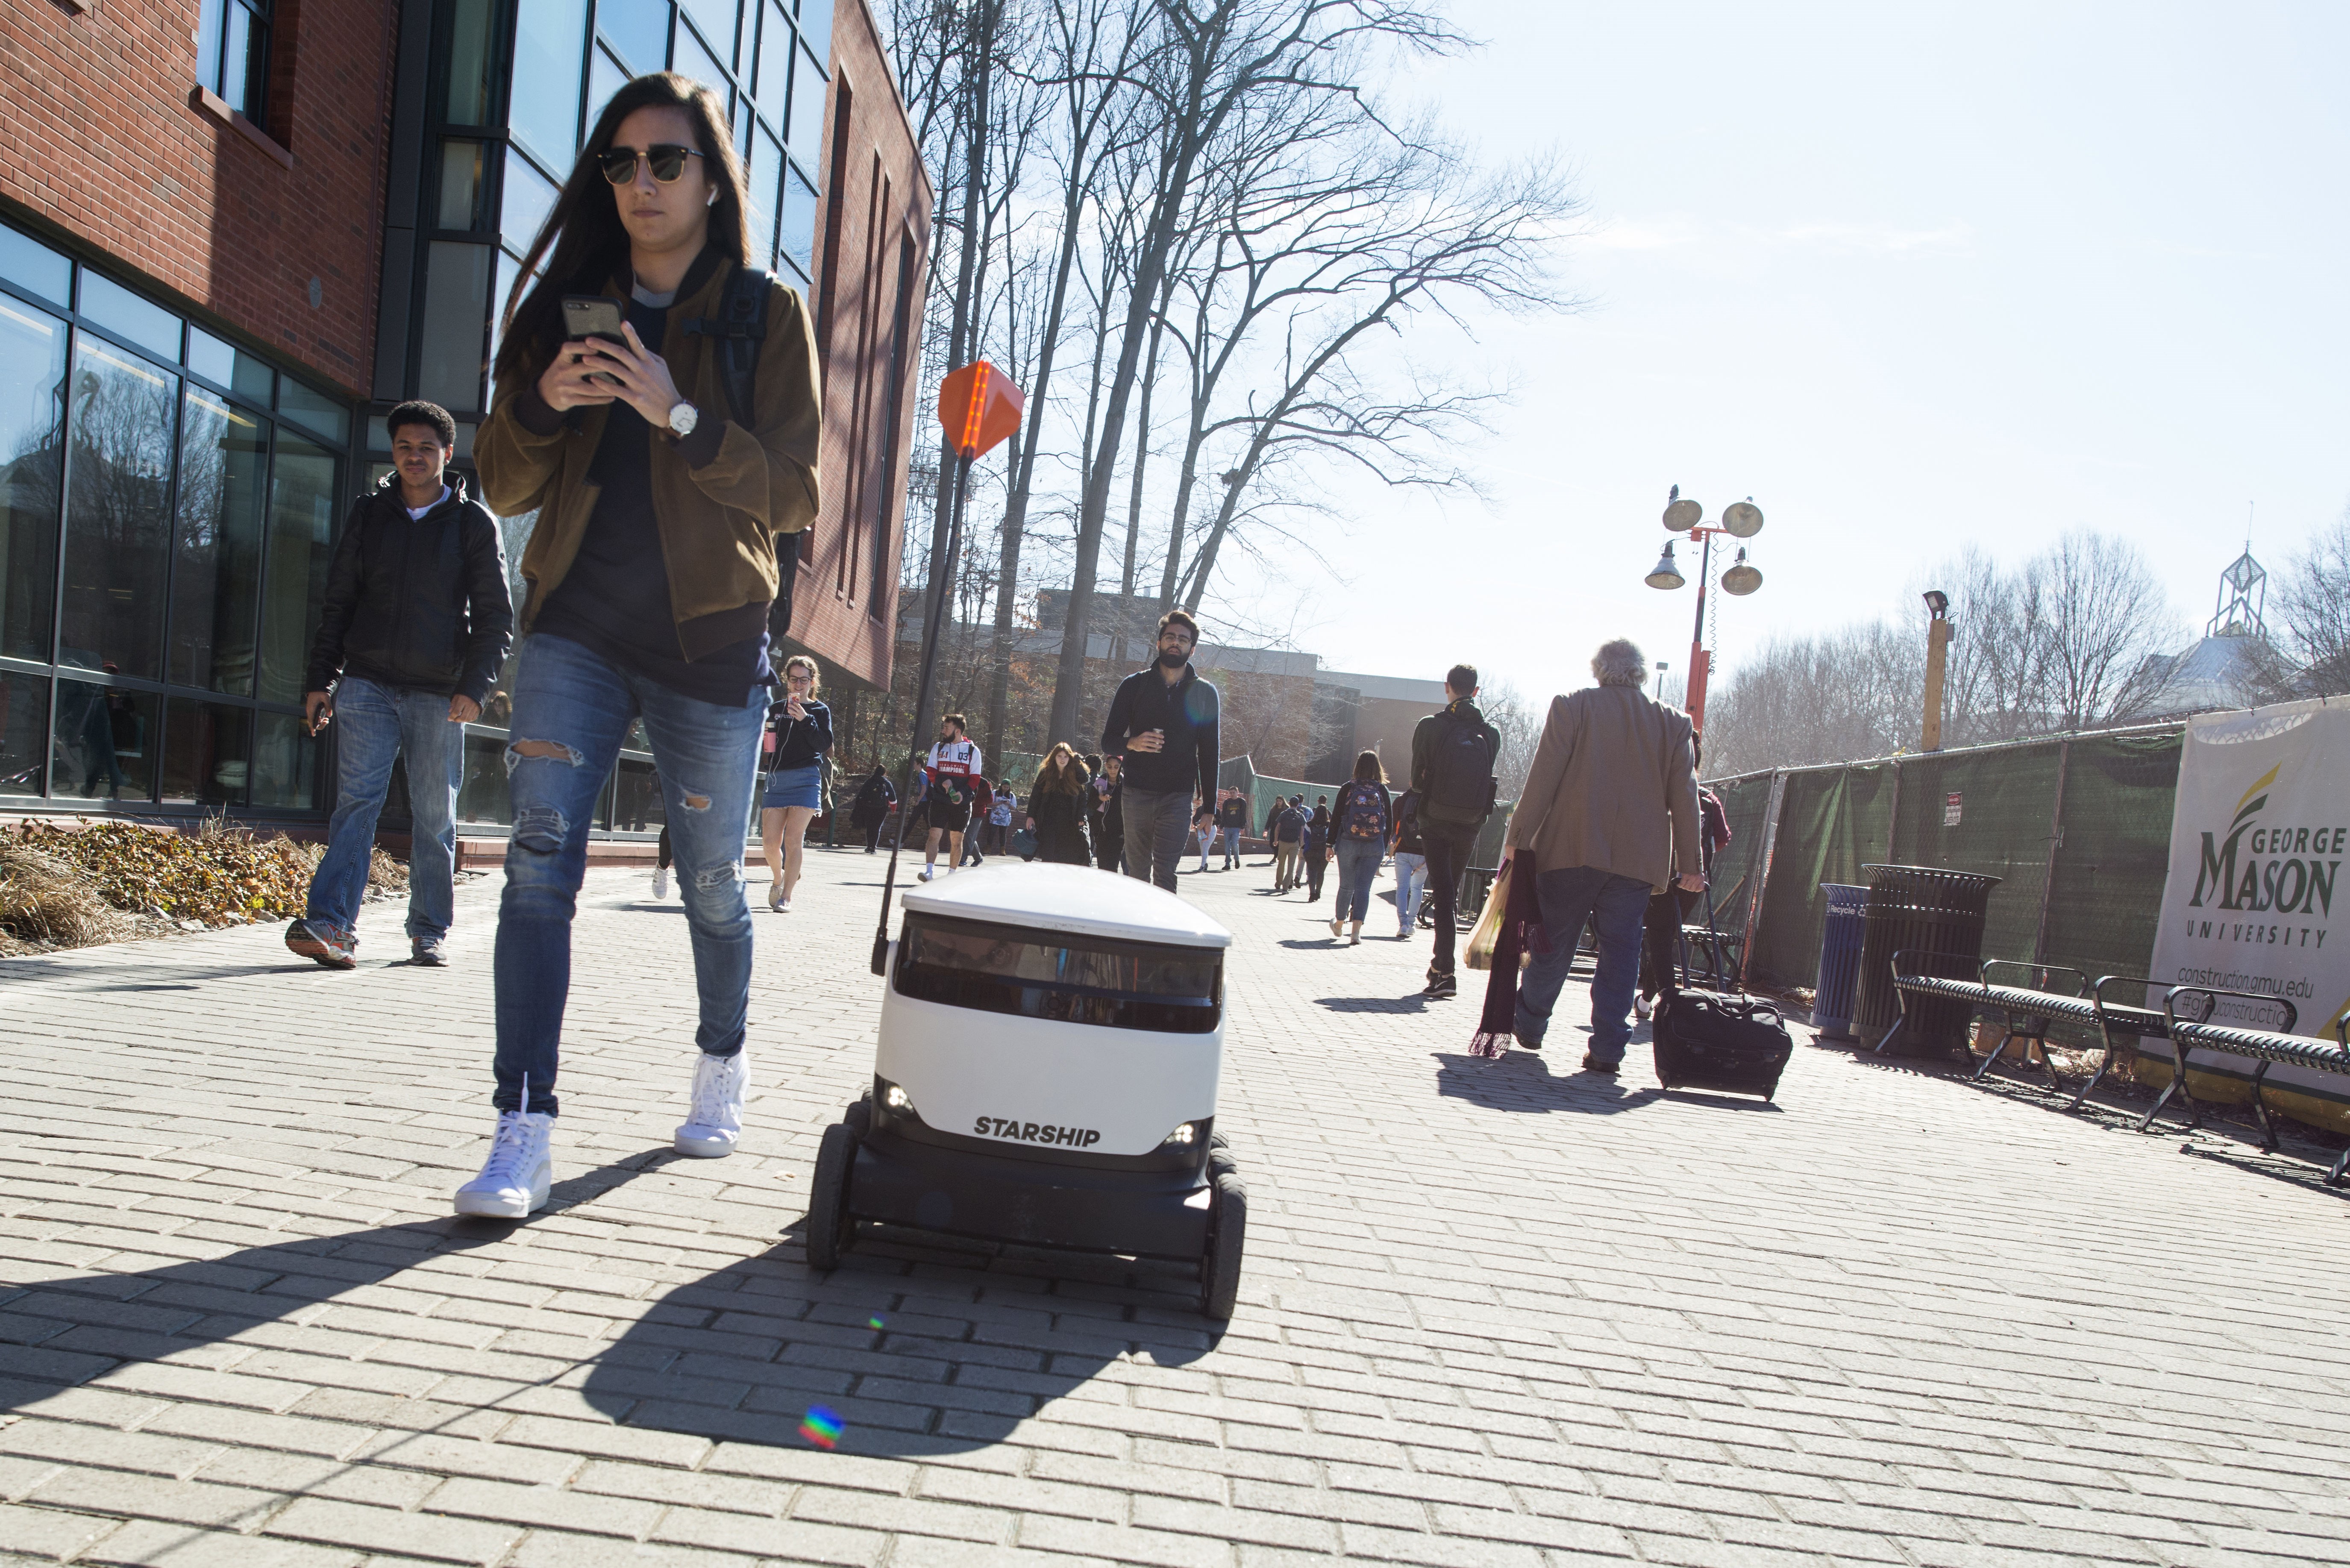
{"type": "Point", "coordinates": [2260, 831]}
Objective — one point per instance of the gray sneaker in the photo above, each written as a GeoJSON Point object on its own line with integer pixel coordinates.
{"type": "Point", "coordinates": [426, 952]}
{"type": "Point", "coordinates": [318, 940]}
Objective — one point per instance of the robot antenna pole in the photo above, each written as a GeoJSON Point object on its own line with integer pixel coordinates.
{"type": "Point", "coordinates": [932, 632]}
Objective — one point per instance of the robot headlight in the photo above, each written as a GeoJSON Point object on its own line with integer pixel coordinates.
{"type": "Point", "coordinates": [1184, 1135]}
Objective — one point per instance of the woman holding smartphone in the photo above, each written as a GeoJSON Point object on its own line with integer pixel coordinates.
{"type": "Point", "coordinates": [800, 732]}
{"type": "Point", "coordinates": [650, 571]}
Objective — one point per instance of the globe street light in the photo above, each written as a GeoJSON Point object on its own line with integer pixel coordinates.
{"type": "Point", "coordinates": [1740, 520]}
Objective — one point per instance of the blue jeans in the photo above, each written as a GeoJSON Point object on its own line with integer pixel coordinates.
{"type": "Point", "coordinates": [1569, 896]}
{"type": "Point", "coordinates": [374, 725]}
{"type": "Point", "coordinates": [1411, 881]}
{"type": "Point", "coordinates": [708, 757]}
{"type": "Point", "coordinates": [1358, 867]}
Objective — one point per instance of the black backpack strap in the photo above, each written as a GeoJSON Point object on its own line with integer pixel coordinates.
{"type": "Point", "coordinates": [740, 327]}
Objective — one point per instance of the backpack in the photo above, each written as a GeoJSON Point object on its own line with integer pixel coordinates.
{"type": "Point", "coordinates": [740, 328]}
{"type": "Point", "coordinates": [1462, 788]}
{"type": "Point", "coordinates": [1361, 817]}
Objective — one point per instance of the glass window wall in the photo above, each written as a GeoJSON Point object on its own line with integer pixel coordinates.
{"type": "Point", "coordinates": [164, 537]}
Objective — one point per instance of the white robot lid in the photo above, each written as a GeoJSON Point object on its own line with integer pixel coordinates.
{"type": "Point", "coordinates": [1077, 899]}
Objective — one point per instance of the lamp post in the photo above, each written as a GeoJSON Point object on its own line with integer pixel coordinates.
{"type": "Point", "coordinates": [1661, 668]}
{"type": "Point", "coordinates": [1938, 645]}
{"type": "Point", "coordinates": [1740, 520]}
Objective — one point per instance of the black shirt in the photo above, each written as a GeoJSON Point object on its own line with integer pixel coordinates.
{"type": "Point", "coordinates": [1187, 711]}
{"type": "Point", "coordinates": [800, 742]}
{"type": "Point", "coordinates": [615, 599]}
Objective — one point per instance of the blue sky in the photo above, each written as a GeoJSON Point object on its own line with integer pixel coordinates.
{"type": "Point", "coordinates": [1914, 277]}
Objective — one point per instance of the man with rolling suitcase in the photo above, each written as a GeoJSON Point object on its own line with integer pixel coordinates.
{"type": "Point", "coordinates": [1609, 815]}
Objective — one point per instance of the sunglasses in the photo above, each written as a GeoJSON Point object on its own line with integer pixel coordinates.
{"type": "Point", "coordinates": [666, 159]}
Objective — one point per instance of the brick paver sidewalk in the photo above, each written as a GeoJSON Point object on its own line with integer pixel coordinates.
{"type": "Point", "coordinates": [1494, 1313]}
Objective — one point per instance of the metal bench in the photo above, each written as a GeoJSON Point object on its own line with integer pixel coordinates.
{"type": "Point", "coordinates": [2030, 1011]}
{"type": "Point", "coordinates": [2265, 1048]}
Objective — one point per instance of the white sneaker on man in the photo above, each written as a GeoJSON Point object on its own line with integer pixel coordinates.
{"type": "Point", "coordinates": [661, 882]}
{"type": "Point", "coordinates": [925, 873]}
{"type": "Point", "coordinates": [515, 1178]}
{"type": "Point", "coordinates": [715, 1121]}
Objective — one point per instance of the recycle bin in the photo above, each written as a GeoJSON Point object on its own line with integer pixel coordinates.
{"type": "Point", "coordinates": [1939, 914]}
{"type": "Point", "coordinates": [1839, 959]}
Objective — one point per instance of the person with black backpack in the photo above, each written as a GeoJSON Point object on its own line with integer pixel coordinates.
{"type": "Point", "coordinates": [1359, 827]}
{"type": "Point", "coordinates": [657, 407]}
{"type": "Point", "coordinates": [1315, 855]}
{"type": "Point", "coordinates": [1454, 757]}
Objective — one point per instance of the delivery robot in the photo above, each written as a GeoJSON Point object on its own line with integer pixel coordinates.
{"type": "Point", "coordinates": [1051, 1039]}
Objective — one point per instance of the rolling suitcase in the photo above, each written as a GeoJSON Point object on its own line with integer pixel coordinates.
{"type": "Point", "coordinates": [1717, 1039]}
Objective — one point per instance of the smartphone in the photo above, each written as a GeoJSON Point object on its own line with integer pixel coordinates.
{"type": "Point", "coordinates": [593, 315]}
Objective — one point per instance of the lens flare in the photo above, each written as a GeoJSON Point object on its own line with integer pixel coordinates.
{"type": "Point", "coordinates": [822, 1427]}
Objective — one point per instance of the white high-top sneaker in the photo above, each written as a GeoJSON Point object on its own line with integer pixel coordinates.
{"type": "Point", "coordinates": [715, 1122]}
{"type": "Point", "coordinates": [515, 1178]}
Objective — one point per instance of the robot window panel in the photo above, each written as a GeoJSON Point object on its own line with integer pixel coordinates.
{"type": "Point", "coordinates": [1115, 984]}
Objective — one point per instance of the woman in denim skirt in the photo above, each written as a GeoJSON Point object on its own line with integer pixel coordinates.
{"type": "Point", "coordinates": [799, 733]}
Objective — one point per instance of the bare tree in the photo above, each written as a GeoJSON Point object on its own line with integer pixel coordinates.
{"type": "Point", "coordinates": [2311, 596]}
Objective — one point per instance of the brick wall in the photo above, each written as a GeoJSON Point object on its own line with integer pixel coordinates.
{"type": "Point", "coordinates": [877, 192]}
{"type": "Point", "coordinates": [100, 139]}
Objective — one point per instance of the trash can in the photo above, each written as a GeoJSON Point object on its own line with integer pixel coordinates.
{"type": "Point", "coordinates": [1839, 959]}
{"type": "Point", "coordinates": [1926, 909]}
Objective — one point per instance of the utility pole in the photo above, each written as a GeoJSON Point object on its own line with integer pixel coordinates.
{"type": "Point", "coordinates": [1938, 645]}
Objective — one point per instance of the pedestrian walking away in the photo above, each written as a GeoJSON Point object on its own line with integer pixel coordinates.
{"type": "Point", "coordinates": [799, 733]}
{"type": "Point", "coordinates": [1164, 722]}
{"type": "Point", "coordinates": [1454, 757]}
{"type": "Point", "coordinates": [1410, 865]}
{"type": "Point", "coordinates": [1661, 929]}
{"type": "Point", "coordinates": [1287, 828]}
{"type": "Point", "coordinates": [1360, 825]}
{"type": "Point", "coordinates": [656, 406]}
{"type": "Point", "coordinates": [949, 779]}
{"type": "Point", "coordinates": [1056, 808]}
{"type": "Point", "coordinates": [1109, 814]}
{"type": "Point", "coordinates": [1608, 817]}
{"type": "Point", "coordinates": [1233, 821]}
{"type": "Point", "coordinates": [1314, 850]}
{"type": "Point", "coordinates": [983, 817]}
{"type": "Point", "coordinates": [871, 807]}
{"type": "Point", "coordinates": [412, 632]}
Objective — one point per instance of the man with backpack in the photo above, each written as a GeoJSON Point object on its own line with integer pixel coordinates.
{"type": "Point", "coordinates": [1454, 757]}
{"type": "Point", "coordinates": [1287, 828]}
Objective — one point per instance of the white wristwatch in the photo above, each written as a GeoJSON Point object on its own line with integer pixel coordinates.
{"type": "Point", "coordinates": [682, 419]}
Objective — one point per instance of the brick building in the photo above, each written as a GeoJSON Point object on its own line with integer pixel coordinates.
{"type": "Point", "coordinates": [232, 232]}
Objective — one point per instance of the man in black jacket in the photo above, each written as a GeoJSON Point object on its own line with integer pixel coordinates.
{"type": "Point", "coordinates": [1454, 757]}
{"type": "Point", "coordinates": [415, 625]}
{"type": "Point", "coordinates": [1164, 722]}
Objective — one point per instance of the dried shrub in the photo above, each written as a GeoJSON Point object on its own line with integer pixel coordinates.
{"type": "Point", "coordinates": [217, 877]}
{"type": "Point", "coordinates": [45, 902]}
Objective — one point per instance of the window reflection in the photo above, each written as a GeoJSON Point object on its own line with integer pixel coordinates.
{"type": "Point", "coordinates": [118, 527]}
{"type": "Point", "coordinates": [1074, 980]}
{"type": "Point", "coordinates": [32, 453]}
{"type": "Point", "coordinates": [542, 93]}
{"type": "Point", "coordinates": [807, 132]}
{"type": "Point", "coordinates": [301, 536]}
{"type": "Point", "coordinates": [105, 742]}
{"type": "Point", "coordinates": [206, 757]}
{"type": "Point", "coordinates": [216, 579]}
{"type": "Point", "coordinates": [481, 781]}
{"type": "Point", "coordinates": [285, 764]}
{"type": "Point", "coordinates": [472, 47]}
{"type": "Point", "coordinates": [24, 730]}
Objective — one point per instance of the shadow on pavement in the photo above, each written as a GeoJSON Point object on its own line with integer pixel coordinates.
{"type": "Point", "coordinates": [1414, 1002]}
{"type": "Point", "coordinates": [31, 971]}
{"type": "Point", "coordinates": [974, 1339]}
{"type": "Point", "coordinates": [54, 1339]}
{"type": "Point", "coordinates": [1523, 1081]}
{"type": "Point", "coordinates": [918, 1344]}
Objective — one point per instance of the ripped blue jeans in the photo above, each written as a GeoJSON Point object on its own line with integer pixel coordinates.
{"type": "Point", "coordinates": [571, 710]}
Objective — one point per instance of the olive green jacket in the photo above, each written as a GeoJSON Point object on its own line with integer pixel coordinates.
{"type": "Point", "coordinates": [718, 522]}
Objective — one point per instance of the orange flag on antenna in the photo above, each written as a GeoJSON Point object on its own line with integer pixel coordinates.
{"type": "Point", "coordinates": [979, 408]}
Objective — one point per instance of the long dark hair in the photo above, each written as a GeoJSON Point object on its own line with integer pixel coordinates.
{"type": "Point", "coordinates": [584, 230]}
{"type": "Point", "coordinates": [1367, 768]}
